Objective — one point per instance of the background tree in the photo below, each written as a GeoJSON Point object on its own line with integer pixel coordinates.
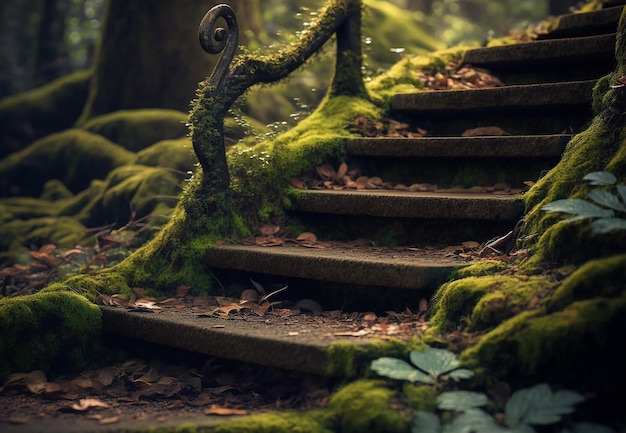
{"type": "Point", "coordinates": [158, 63]}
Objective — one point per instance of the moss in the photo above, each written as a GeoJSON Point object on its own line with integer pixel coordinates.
{"type": "Point", "coordinates": [73, 156]}
{"type": "Point", "coordinates": [367, 406]}
{"type": "Point", "coordinates": [480, 268]}
{"type": "Point", "coordinates": [345, 359]}
{"type": "Point", "coordinates": [138, 189]}
{"type": "Point", "coordinates": [175, 154]}
{"type": "Point", "coordinates": [478, 303]}
{"type": "Point", "coordinates": [53, 331]}
{"type": "Point", "coordinates": [137, 129]}
{"type": "Point", "coordinates": [28, 116]}
{"type": "Point", "coordinates": [33, 233]}
{"type": "Point", "coordinates": [106, 282]}
{"type": "Point", "coordinates": [596, 278]}
{"type": "Point", "coordinates": [420, 397]}
{"type": "Point", "coordinates": [54, 190]}
{"type": "Point", "coordinates": [275, 422]}
{"type": "Point", "coordinates": [576, 347]}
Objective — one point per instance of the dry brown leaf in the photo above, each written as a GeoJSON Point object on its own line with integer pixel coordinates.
{"type": "Point", "coordinates": [87, 403]}
{"type": "Point", "coordinates": [109, 420]}
{"type": "Point", "coordinates": [307, 237]}
{"type": "Point", "coordinates": [223, 411]}
{"type": "Point", "coordinates": [326, 171]}
{"type": "Point", "coordinates": [342, 170]}
{"type": "Point", "coordinates": [472, 245]}
{"type": "Point", "coordinates": [423, 305]}
{"type": "Point", "coordinates": [296, 183]}
{"type": "Point", "coordinates": [249, 295]}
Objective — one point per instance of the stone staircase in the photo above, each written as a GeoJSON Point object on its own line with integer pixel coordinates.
{"type": "Point", "coordinates": [546, 99]}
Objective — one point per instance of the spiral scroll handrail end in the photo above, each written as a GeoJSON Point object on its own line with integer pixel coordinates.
{"type": "Point", "coordinates": [215, 39]}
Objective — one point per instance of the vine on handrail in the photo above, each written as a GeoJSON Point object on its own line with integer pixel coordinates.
{"type": "Point", "coordinates": [228, 81]}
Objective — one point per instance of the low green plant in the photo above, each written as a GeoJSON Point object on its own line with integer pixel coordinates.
{"type": "Point", "coordinates": [608, 209]}
{"type": "Point", "coordinates": [535, 406]}
{"type": "Point", "coordinates": [429, 366]}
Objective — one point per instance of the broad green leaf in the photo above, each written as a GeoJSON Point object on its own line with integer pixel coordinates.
{"type": "Point", "coordinates": [474, 420]}
{"type": "Point", "coordinates": [600, 178]}
{"type": "Point", "coordinates": [606, 225]}
{"type": "Point", "coordinates": [426, 422]}
{"type": "Point", "coordinates": [605, 198]}
{"type": "Point", "coordinates": [461, 400]}
{"type": "Point", "coordinates": [539, 405]}
{"type": "Point", "coordinates": [435, 361]}
{"type": "Point", "coordinates": [461, 373]}
{"type": "Point", "coordinates": [621, 189]}
{"type": "Point", "coordinates": [582, 209]}
{"type": "Point", "coordinates": [395, 368]}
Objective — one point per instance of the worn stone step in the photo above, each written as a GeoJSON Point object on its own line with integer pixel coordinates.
{"type": "Point", "coordinates": [544, 61]}
{"type": "Point", "coordinates": [257, 340]}
{"type": "Point", "coordinates": [507, 146]}
{"type": "Point", "coordinates": [518, 97]}
{"type": "Point", "coordinates": [589, 23]}
{"type": "Point", "coordinates": [400, 204]}
{"type": "Point", "coordinates": [365, 266]}
{"type": "Point", "coordinates": [530, 109]}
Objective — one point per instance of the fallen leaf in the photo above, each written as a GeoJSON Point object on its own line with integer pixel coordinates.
{"type": "Point", "coordinates": [223, 411]}
{"type": "Point", "coordinates": [326, 171]}
{"type": "Point", "coordinates": [306, 237]}
{"type": "Point", "coordinates": [296, 183]}
{"type": "Point", "coordinates": [269, 229]}
{"type": "Point", "coordinates": [87, 403]}
{"type": "Point", "coordinates": [485, 131]}
{"type": "Point", "coordinates": [109, 420]}
{"type": "Point", "coordinates": [310, 305]}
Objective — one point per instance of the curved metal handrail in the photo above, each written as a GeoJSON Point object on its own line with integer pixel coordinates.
{"type": "Point", "coordinates": [230, 80]}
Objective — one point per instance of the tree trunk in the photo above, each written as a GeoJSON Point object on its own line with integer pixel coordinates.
{"type": "Point", "coordinates": [52, 54]}
{"type": "Point", "coordinates": [160, 62]}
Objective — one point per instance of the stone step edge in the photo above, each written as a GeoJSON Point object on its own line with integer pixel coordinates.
{"type": "Point", "coordinates": [588, 22]}
{"type": "Point", "coordinates": [397, 268]}
{"type": "Point", "coordinates": [400, 204]}
{"type": "Point", "coordinates": [230, 338]}
{"type": "Point", "coordinates": [538, 53]}
{"type": "Point", "coordinates": [506, 146]}
{"type": "Point", "coordinates": [519, 97]}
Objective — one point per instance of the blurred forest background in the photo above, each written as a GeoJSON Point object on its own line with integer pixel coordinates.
{"type": "Point", "coordinates": [41, 40]}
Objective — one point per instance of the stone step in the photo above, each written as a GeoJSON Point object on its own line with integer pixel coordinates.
{"type": "Point", "coordinates": [518, 97]}
{"type": "Point", "coordinates": [584, 24]}
{"type": "Point", "coordinates": [258, 340]}
{"type": "Point", "coordinates": [400, 204]}
{"type": "Point", "coordinates": [365, 266]}
{"type": "Point", "coordinates": [507, 146]}
{"type": "Point", "coordinates": [551, 60]}
{"type": "Point", "coordinates": [530, 109]}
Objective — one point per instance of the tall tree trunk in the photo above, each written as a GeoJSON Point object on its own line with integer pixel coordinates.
{"type": "Point", "coordinates": [52, 56]}
{"type": "Point", "coordinates": [160, 62]}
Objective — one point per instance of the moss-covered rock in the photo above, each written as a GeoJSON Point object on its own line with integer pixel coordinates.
{"type": "Point", "coordinates": [52, 331]}
{"type": "Point", "coordinates": [478, 303]}
{"type": "Point", "coordinates": [367, 406]}
{"type": "Point", "coordinates": [175, 154]}
{"type": "Point", "coordinates": [73, 156]}
{"type": "Point", "coordinates": [27, 116]}
{"type": "Point", "coordinates": [137, 129]}
{"type": "Point", "coordinates": [578, 346]}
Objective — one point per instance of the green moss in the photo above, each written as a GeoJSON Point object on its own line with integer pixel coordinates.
{"type": "Point", "coordinates": [27, 116]}
{"type": "Point", "coordinates": [577, 347]}
{"type": "Point", "coordinates": [367, 406]}
{"type": "Point", "coordinates": [345, 359]}
{"type": "Point", "coordinates": [596, 278]}
{"type": "Point", "coordinates": [478, 303]}
{"type": "Point", "coordinates": [276, 422]}
{"type": "Point", "coordinates": [54, 190]}
{"type": "Point", "coordinates": [175, 154]}
{"type": "Point", "coordinates": [420, 397]}
{"type": "Point", "coordinates": [137, 129]}
{"type": "Point", "coordinates": [480, 268]}
{"type": "Point", "coordinates": [73, 156]}
{"type": "Point", "coordinates": [17, 235]}
{"type": "Point", "coordinates": [53, 331]}
{"type": "Point", "coordinates": [106, 282]}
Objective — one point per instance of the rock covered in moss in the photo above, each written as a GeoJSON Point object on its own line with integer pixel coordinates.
{"type": "Point", "coordinates": [52, 331]}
